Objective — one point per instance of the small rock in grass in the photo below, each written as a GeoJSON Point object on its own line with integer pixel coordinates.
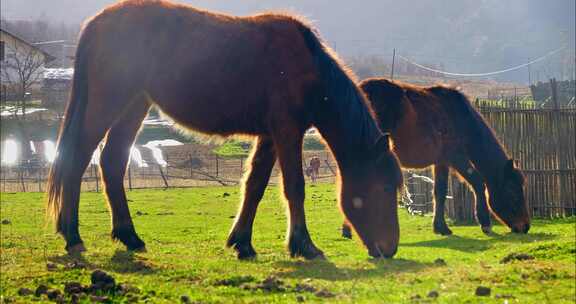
{"type": "Point", "coordinates": [40, 290]}
{"type": "Point", "coordinates": [271, 283]}
{"type": "Point", "coordinates": [439, 262]}
{"type": "Point", "coordinates": [25, 292]}
{"type": "Point", "coordinates": [483, 291]}
{"type": "Point", "coordinates": [51, 266]}
{"type": "Point", "coordinates": [6, 222]}
{"type": "Point", "coordinates": [302, 287]}
{"type": "Point", "coordinates": [516, 257]}
{"type": "Point", "coordinates": [124, 288]}
{"type": "Point", "coordinates": [99, 276]}
{"type": "Point", "coordinates": [324, 294]}
{"type": "Point", "coordinates": [300, 299]}
{"type": "Point", "coordinates": [53, 294]}
{"type": "Point", "coordinates": [185, 299]}
{"type": "Point", "coordinates": [73, 288]}
{"type": "Point", "coordinates": [226, 194]}
{"type": "Point", "coordinates": [433, 294]}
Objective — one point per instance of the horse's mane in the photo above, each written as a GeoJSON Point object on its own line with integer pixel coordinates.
{"type": "Point", "coordinates": [347, 102]}
{"type": "Point", "coordinates": [482, 144]}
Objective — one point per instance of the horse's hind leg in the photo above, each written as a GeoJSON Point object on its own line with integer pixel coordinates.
{"type": "Point", "coordinates": [289, 149]}
{"type": "Point", "coordinates": [474, 178]}
{"type": "Point", "coordinates": [113, 162]}
{"type": "Point", "coordinates": [100, 114]}
{"type": "Point", "coordinates": [440, 190]}
{"type": "Point", "coordinates": [262, 161]}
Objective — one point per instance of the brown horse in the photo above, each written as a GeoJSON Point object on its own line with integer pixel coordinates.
{"type": "Point", "coordinates": [268, 76]}
{"type": "Point", "coordinates": [437, 126]}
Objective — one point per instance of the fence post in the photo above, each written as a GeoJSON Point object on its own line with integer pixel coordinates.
{"type": "Point", "coordinates": [21, 173]}
{"type": "Point", "coordinates": [163, 177]}
{"type": "Point", "coordinates": [38, 178]}
{"type": "Point", "coordinates": [130, 175]}
{"type": "Point", "coordinates": [191, 169]}
{"type": "Point", "coordinates": [561, 161]}
{"type": "Point", "coordinates": [95, 174]}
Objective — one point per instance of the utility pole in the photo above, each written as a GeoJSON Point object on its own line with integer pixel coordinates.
{"type": "Point", "coordinates": [529, 74]}
{"type": "Point", "coordinates": [393, 59]}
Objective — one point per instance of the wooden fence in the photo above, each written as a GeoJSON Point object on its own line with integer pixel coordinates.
{"type": "Point", "coordinates": [543, 141]}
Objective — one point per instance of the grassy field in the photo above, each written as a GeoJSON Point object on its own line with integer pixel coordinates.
{"type": "Point", "coordinates": [185, 231]}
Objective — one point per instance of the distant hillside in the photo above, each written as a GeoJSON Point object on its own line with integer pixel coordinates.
{"type": "Point", "coordinates": [464, 36]}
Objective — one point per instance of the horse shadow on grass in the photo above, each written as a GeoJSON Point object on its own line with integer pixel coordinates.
{"type": "Point", "coordinates": [471, 245]}
{"type": "Point", "coordinates": [326, 270]}
{"type": "Point", "coordinates": [121, 262]}
{"type": "Point", "coordinates": [127, 262]}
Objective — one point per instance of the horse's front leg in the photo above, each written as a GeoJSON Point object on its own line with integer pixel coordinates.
{"type": "Point", "coordinates": [289, 149]}
{"type": "Point", "coordinates": [440, 190]}
{"type": "Point", "coordinates": [475, 179]}
{"type": "Point", "coordinates": [261, 164]}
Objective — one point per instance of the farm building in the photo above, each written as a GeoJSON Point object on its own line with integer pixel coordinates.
{"type": "Point", "coordinates": [56, 86]}
{"type": "Point", "coordinates": [21, 61]}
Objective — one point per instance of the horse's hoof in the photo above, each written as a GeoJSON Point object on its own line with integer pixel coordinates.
{"type": "Point", "coordinates": [442, 230]}
{"type": "Point", "coordinates": [244, 252]}
{"type": "Point", "coordinates": [487, 230]}
{"type": "Point", "coordinates": [76, 249]}
{"type": "Point", "coordinates": [310, 252]}
{"type": "Point", "coordinates": [141, 249]}
{"type": "Point", "coordinates": [246, 255]}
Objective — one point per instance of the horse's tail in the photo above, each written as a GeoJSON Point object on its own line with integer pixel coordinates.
{"type": "Point", "coordinates": [67, 150]}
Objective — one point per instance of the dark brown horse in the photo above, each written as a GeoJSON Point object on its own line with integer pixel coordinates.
{"type": "Point", "coordinates": [437, 126]}
{"type": "Point", "coordinates": [268, 76]}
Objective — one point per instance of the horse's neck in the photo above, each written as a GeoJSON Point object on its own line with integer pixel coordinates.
{"type": "Point", "coordinates": [488, 156]}
{"type": "Point", "coordinates": [349, 142]}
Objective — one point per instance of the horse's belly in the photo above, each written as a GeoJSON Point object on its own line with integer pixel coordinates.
{"type": "Point", "coordinates": [418, 153]}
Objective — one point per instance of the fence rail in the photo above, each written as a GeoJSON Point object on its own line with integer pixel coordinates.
{"type": "Point", "coordinates": [542, 141]}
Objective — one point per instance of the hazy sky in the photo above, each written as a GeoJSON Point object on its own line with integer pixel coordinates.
{"type": "Point", "coordinates": [464, 35]}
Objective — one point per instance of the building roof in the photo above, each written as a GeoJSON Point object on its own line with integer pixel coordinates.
{"type": "Point", "coordinates": [24, 41]}
{"type": "Point", "coordinates": [59, 74]}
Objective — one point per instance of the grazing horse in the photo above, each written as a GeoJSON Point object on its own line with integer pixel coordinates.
{"type": "Point", "coordinates": [313, 169]}
{"type": "Point", "coordinates": [437, 126]}
{"type": "Point", "coordinates": [269, 76]}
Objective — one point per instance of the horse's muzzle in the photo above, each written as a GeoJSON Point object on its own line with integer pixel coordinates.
{"type": "Point", "coordinates": [382, 250]}
{"type": "Point", "coordinates": [521, 228]}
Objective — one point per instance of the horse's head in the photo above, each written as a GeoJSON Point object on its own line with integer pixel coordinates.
{"type": "Point", "coordinates": [368, 199]}
{"type": "Point", "coordinates": [507, 199]}
{"type": "Point", "coordinates": [386, 99]}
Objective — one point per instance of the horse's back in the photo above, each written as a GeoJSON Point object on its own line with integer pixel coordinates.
{"type": "Point", "coordinates": [210, 72]}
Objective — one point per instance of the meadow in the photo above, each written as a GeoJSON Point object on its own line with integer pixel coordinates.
{"type": "Point", "coordinates": [185, 231]}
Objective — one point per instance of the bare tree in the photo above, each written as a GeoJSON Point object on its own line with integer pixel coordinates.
{"type": "Point", "coordinates": [22, 68]}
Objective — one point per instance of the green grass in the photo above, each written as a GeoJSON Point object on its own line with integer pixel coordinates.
{"type": "Point", "coordinates": [185, 231]}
